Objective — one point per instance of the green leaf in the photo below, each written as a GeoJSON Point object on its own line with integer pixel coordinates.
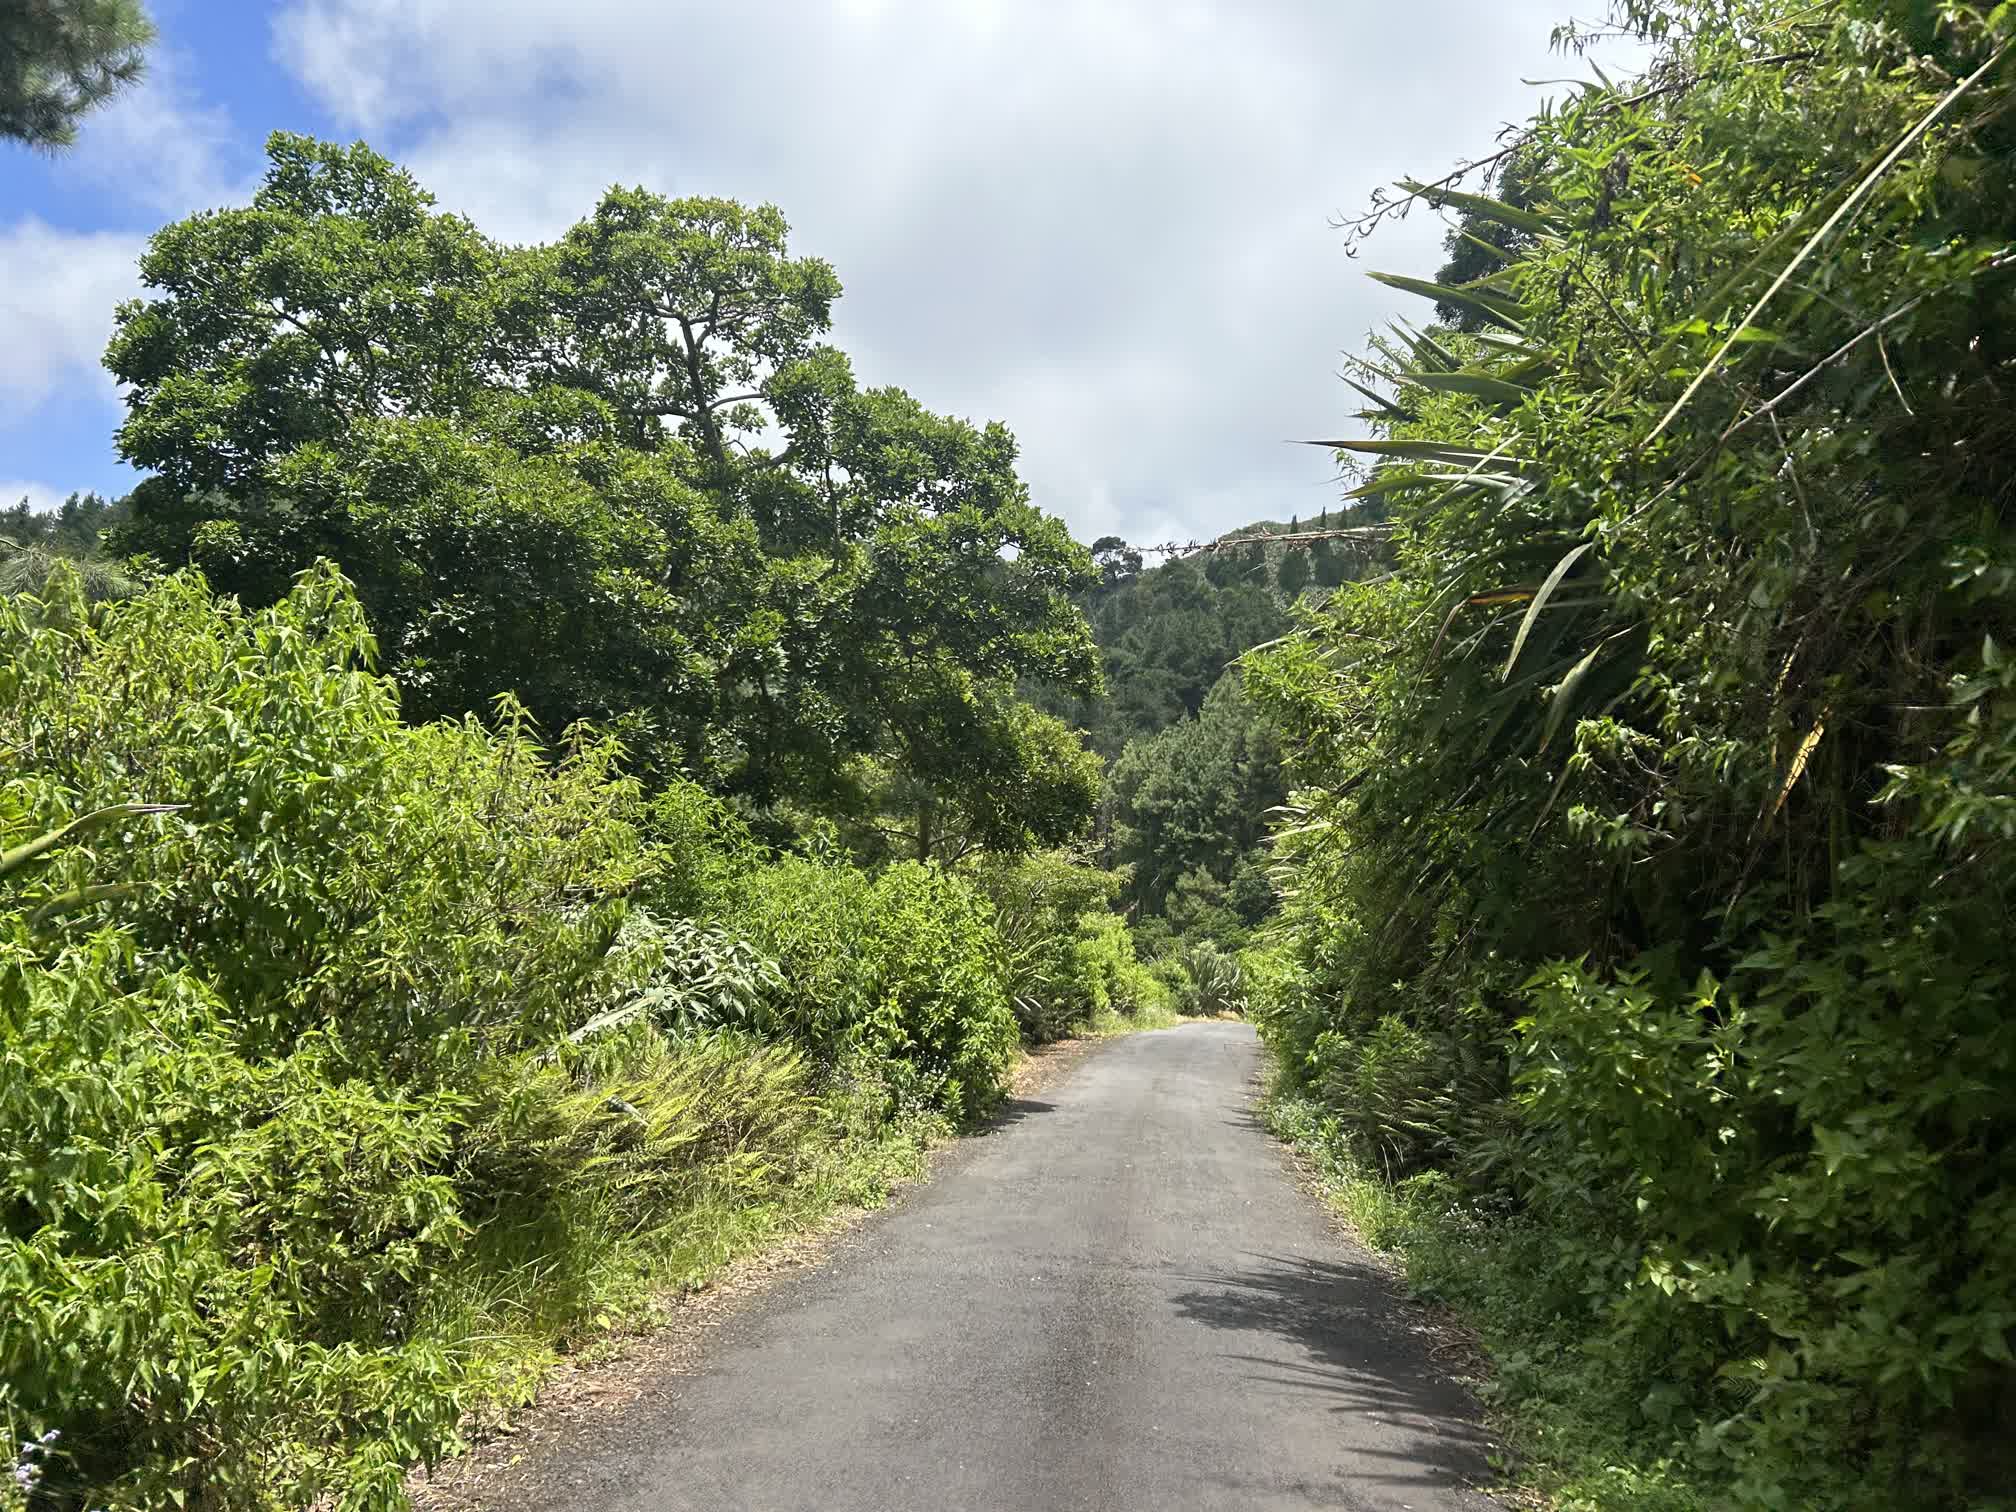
{"type": "Point", "coordinates": [1385, 404]}
{"type": "Point", "coordinates": [1561, 570]}
{"type": "Point", "coordinates": [41, 845]}
{"type": "Point", "coordinates": [1482, 206]}
{"type": "Point", "coordinates": [1480, 385]}
{"type": "Point", "coordinates": [1432, 451]}
{"type": "Point", "coordinates": [1506, 312]}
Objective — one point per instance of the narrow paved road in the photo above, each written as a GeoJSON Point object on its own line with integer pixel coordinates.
{"type": "Point", "coordinates": [1118, 1300]}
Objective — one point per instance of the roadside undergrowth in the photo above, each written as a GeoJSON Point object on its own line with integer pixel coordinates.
{"type": "Point", "coordinates": [537, 1296]}
{"type": "Point", "coordinates": [1575, 1439]}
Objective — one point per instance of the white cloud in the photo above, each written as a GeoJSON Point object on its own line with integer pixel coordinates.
{"type": "Point", "coordinates": [58, 291]}
{"type": "Point", "coordinates": [1105, 222]}
{"type": "Point", "coordinates": [159, 146]}
{"type": "Point", "coordinates": [40, 496]}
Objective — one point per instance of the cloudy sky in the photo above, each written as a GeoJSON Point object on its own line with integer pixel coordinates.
{"type": "Point", "coordinates": [1105, 222]}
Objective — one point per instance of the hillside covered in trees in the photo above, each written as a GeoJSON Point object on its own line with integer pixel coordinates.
{"type": "Point", "coordinates": [549, 784]}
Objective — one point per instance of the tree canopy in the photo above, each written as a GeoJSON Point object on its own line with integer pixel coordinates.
{"type": "Point", "coordinates": [61, 59]}
{"type": "Point", "coordinates": [618, 477]}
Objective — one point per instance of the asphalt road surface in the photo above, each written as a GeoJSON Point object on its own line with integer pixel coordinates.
{"type": "Point", "coordinates": [1117, 1300]}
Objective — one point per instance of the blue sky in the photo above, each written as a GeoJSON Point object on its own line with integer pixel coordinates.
{"type": "Point", "coordinates": [1104, 222]}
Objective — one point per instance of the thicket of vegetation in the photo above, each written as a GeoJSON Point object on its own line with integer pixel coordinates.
{"type": "Point", "coordinates": [1648, 887]}
{"type": "Point", "coordinates": [1194, 772]}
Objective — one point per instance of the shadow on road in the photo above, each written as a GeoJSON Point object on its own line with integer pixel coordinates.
{"type": "Point", "coordinates": [1364, 1346]}
{"type": "Point", "coordinates": [1010, 1112]}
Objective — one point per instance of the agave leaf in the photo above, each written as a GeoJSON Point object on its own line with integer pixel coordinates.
{"type": "Point", "coordinates": [76, 898]}
{"type": "Point", "coordinates": [1384, 481]}
{"type": "Point", "coordinates": [1565, 690]}
{"type": "Point", "coordinates": [1481, 385]}
{"type": "Point", "coordinates": [1506, 485]}
{"type": "Point", "coordinates": [1384, 403]}
{"type": "Point", "coordinates": [1428, 352]}
{"type": "Point", "coordinates": [1561, 570]}
{"type": "Point", "coordinates": [1432, 451]}
{"type": "Point", "coordinates": [1509, 344]}
{"type": "Point", "coordinates": [1491, 249]}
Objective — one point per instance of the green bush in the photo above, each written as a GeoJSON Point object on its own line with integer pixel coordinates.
{"type": "Point", "coordinates": [432, 891]}
{"type": "Point", "coordinates": [1063, 960]}
{"type": "Point", "coordinates": [703, 849]}
{"type": "Point", "coordinates": [1215, 983]}
{"type": "Point", "coordinates": [1106, 975]}
{"type": "Point", "coordinates": [300, 1159]}
{"type": "Point", "coordinates": [685, 976]}
{"type": "Point", "coordinates": [904, 966]}
{"type": "Point", "coordinates": [1650, 874]}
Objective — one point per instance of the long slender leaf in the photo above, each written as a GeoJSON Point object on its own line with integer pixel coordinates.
{"type": "Point", "coordinates": [41, 845]}
{"type": "Point", "coordinates": [1561, 570]}
{"type": "Point", "coordinates": [1427, 351]}
{"type": "Point", "coordinates": [1379, 399]}
{"type": "Point", "coordinates": [1846, 208]}
{"type": "Point", "coordinates": [1479, 385]}
{"type": "Point", "coordinates": [1483, 206]}
{"type": "Point", "coordinates": [1431, 451]}
{"type": "Point", "coordinates": [1485, 305]}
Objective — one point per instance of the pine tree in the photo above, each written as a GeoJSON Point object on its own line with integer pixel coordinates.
{"type": "Point", "coordinates": [59, 59]}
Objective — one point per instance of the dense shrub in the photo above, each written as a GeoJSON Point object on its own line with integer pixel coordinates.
{"type": "Point", "coordinates": [904, 966]}
{"type": "Point", "coordinates": [1215, 982]}
{"type": "Point", "coordinates": [1651, 872]}
{"type": "Point", "coordinates": [431, 892]}
{"type": "Point", "coordinates": [686, 976]}
{"type": "Point", "coordinates": [1106, 971]}
{"type": "Point", "coordinates": [703, 850]}
{"type": "Point", "coordinates": [1070, 959]}
{"type": "Point", "coordinates": [335, 1097]}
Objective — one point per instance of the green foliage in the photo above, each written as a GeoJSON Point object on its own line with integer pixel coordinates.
{"type": "Point", "coordinates": [1038, 901]}
{"type": "Point", "coordinates": [61, 59]}
{"type": "Point", "coordinates": [1648, 876]}
{"type": "Point", "coordinates": [904, 967]}
{"type": "Point", "coordinates": [690, 977]}
{"type": "Point", "coordinates": [332, 1099]}
{"type": "Point", "coordinates": [31, 544]}
{"type": "Point", "coordinates": [1070, 961]}
{"type": "Point", "coordinates": [704, 849]}
{"type": "Point", "coordinates": [1486, 237]}
{"type": "Point", "coordinates": [1190, 806]}
{"type": "Point", "coordinates": [1214, 982]}
{"type": "Point", "coordinates": [1166, 637]}
{"type": "Point", "coordinates": [1107, 974]}
{"type": "Point", "coordinates": [1025, 782]}
{"type": "Point", "coordinates": [1575, 1416]}
{"type": "Point", "coordinates": [552, 472]}
{"type": "Point", "coordinates": [74, 528]}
